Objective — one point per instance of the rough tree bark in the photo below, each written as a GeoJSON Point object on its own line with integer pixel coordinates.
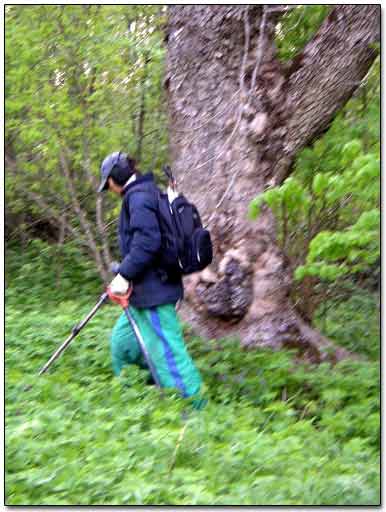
{"type": "Point", "coordinates": [237, 119]}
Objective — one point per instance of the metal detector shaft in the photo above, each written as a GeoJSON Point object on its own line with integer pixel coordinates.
{"type": "Point", "coordinates": [74, 332]}
{"type": "Point", "coordinates": [141, 342]}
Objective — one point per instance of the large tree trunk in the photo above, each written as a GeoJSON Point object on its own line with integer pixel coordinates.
{"type": "Point", "coordinates": [237, 119]}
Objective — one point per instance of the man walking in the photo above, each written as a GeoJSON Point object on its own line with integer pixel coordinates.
{"type": "Point", "coordinates": [153, 295]}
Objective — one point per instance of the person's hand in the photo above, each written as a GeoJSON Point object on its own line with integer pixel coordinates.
{"type": "Point", "coordinates": [119, 291]}
{"type": "Point", "coordinates": [119, 285]}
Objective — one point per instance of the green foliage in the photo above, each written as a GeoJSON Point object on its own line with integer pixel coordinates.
{"type": "Point", "coordinates": [355, 249]}
{"type": "Point", "coordinates": [42, 276]}
{"type": "Point", "coordinates": [87, 64]}
{"type": "Point", "coordinates": [82, 81]}
{"type": "Point", "coordinates": [354, 323]}
{"type": "Point", "coordinates": [286, 432]}
{"type": "Point", "coordinates": [333, 253]}
{"type": "Point", "coordinates": [297, 27]}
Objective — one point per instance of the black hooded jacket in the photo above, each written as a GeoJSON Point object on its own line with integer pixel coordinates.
{"type": "Point", "coordinates": [140, 244]}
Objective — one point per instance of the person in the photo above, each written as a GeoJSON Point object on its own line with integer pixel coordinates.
{"type": "Point", "coordinates": [153, 295]}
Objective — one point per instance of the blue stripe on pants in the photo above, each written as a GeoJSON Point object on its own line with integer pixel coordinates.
{"type": "Point", "coordinates": [168, 352]}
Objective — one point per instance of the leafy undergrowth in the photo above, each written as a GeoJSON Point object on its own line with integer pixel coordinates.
{"type": "Point", "coordinates": [354, 323]}
{"type": "Point", "coordinates": [274, 432]}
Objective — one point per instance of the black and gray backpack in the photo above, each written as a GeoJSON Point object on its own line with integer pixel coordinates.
{"type": "Point", "coordinates": [186, 245]}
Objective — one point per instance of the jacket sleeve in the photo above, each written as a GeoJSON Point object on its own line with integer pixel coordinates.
{"type": "Point", "coordinates": [145, 232]}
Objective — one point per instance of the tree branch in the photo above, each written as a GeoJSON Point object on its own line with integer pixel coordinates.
{"type": "Point", "coordinates": [260, 47]}
{"type": "Point", "coordinates": [102, 231]}
{"type": "Point", "coordinates": [142, 109]}
{"type": "Point", "coordinates": [82, 216]}
{"type": "Point", "coordinates": [328, 71]}
{"type": "Point", "coordinates": [99, 199]}
{"type": "Point", "coordinates": [51, 213]}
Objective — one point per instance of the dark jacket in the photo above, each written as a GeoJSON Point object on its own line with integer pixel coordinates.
{"type": "Point", "coordinates": [140, 243]}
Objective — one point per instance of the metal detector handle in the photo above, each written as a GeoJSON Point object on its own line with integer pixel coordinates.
{"type": "Point", "coordinates": [75, 331]}
{"type": "Point", "coordinates": [141, 342]}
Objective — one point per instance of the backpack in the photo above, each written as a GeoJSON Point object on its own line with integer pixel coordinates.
{"type": "Point", "coordinates": [186, 246]}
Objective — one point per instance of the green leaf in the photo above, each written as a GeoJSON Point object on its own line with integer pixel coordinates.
{"type": "Point", "coordinates": [350, 151]}
{"type": "Point", "coordinates": [254, 207]}
{"type": "Point", "coordinates": [320, 183]}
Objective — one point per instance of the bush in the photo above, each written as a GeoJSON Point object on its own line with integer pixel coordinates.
{"type": "Point", "coordinates": [353, 323]}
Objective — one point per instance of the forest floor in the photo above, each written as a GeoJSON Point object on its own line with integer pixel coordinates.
{"type": "Point", "coordinates": [274, 431]}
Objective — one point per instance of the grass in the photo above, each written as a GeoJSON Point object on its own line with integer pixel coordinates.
{"type": "Point", "coordinates": [274, 432]}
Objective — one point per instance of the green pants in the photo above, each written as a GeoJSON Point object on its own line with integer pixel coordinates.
{"type": "Point", "coordinates": [163, 338]}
